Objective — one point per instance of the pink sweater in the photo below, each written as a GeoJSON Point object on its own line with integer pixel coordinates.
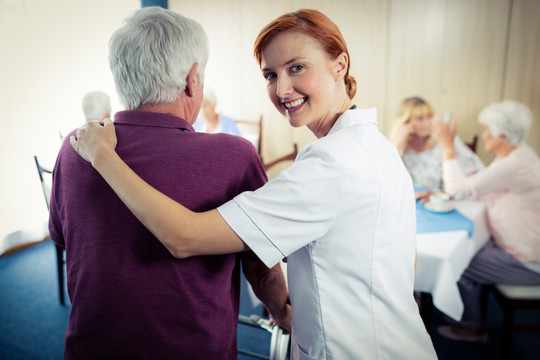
{"type": "Point", "coordinates": [510, 187]}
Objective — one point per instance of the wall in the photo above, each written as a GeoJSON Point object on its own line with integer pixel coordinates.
{"type": "Point", "coordinates": [52, 53]}
{"type": "Point", "coordinates": [459, 54]}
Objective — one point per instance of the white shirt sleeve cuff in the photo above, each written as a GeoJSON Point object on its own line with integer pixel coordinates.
{"type": "Point", "coordinates": [252, 234]}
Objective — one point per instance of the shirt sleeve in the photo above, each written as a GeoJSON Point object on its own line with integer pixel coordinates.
{"type": "Point", "coordinates": [468, 160]}
{"type": "Point", "coordinates": [498, 176]}
{"type": "Point", "coordinates": [290, 211]}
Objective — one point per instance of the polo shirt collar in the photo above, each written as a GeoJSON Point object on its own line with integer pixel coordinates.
{"type": "Point", "coordinates": [147, 118]}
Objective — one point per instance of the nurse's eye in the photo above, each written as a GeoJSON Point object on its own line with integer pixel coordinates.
{"type": "Point", "coordinates": [296, 68]}
{"type": "Point", "coordinates": [269, 76]}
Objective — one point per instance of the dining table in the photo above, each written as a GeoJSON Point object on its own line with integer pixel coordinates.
{"type": "Point", "coordinates": [446, 243]}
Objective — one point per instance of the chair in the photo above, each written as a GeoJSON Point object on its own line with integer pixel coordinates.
{"type": "Point", "coordinates": [252, 131]}
{"type": "Point", "coordinates": [279, 342]}
{"type": "Point", "coordinates": [288, 157]}
{"type": "Point", "coordinates": [512, 298]}
{"type": "Point", "coordinates": [43, 172]}
{"type": "Point", "coordinates": [472, 144]}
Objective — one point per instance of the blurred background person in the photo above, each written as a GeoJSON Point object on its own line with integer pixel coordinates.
{"type": "Point", "coordinates": [510, 187]}
{"type": "Point", "coordinates": [210, 120]}
{"type": "Point", "coordinates": [96, 105]}
{"type": "Point", "coordinates": [422, 155]}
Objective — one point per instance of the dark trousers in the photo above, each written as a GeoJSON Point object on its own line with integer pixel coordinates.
{"type": "Point", "coordinates": [491, 265]}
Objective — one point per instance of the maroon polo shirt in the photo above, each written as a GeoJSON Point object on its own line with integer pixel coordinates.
{"type": "Point", "coordinates": [131, 299]}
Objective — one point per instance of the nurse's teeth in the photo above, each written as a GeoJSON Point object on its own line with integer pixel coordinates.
{"type": "Point", "coordinates": [294, 103]}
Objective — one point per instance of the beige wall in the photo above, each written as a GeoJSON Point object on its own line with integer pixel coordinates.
{"type": "Point", "coordinates": [51, 53]}
{"type": "Point", "coordinates": [522, 71]}
{"type": "Point", "coordinates": [459, 54]}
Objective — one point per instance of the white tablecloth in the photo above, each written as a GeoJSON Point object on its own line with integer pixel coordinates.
{"type": "Point", "coordinates": [443, 256]}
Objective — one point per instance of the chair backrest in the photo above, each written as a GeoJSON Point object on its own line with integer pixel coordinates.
{"type": "Point", "coordinates": [473, 143]}
{"type": "Point", "coordinates": [288, 157]}
{"type": "Point", "coordinates": [252, 130]}
{"type": "Point", "coordinates": [45, 178]}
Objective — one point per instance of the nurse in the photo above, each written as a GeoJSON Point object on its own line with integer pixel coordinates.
{"type": "Point", "coordinates": [342, 214]}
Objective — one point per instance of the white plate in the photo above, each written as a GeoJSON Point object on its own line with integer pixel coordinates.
{"type": "Point", "coordinates": [447, 207]}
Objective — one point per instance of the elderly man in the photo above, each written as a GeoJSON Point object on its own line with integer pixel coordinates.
{"type": "Point", "coordinates": [131, 299]}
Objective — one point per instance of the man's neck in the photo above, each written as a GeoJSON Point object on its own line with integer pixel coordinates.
{"type": "Point", "coordinates": [171, 109]}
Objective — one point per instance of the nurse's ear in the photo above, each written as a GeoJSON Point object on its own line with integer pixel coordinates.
{"type": "Point", "coordinates": [341, 65]}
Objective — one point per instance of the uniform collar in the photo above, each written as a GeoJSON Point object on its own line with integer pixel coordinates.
{"type": "Point", "coordinates": [147, 118]}
{"type": "Point", "coordinates": [355, 117]}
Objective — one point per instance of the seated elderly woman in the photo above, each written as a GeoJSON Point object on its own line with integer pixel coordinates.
{"type": "Point", "coordinates": [510, 187]}
{"type": "Point", "coordinates": [210, 120]}
{"type": "Point", "coordinates": [422, 155]}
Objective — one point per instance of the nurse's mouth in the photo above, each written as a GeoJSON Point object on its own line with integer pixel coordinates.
{"type": "Point", "coordinates": [295, 104]}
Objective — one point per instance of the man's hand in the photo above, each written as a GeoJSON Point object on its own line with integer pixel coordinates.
{"type": "Point", "coordinates": [271, 288]}
{"type": "Point", "coordinates": [94, 138]}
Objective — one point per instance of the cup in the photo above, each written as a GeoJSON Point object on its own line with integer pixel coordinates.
{"type": "Point", "coordinates": [439, 201]}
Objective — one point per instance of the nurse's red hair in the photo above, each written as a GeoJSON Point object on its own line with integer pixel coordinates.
{"type": "Point", "coordinates": [314, 24]}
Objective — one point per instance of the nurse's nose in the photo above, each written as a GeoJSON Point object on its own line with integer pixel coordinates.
{"type": "Point", "coordinates": [284, 87]}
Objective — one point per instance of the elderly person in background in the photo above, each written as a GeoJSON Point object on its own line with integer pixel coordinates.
{"type": "Point", "coordinates": [211, 121]}
{"type": "Point", "coordinates": [96, 105]}
{"type": "Point", "coordinates": [131, 299]}
{"type": "Point", "coordinates": [422, 155]}
{"type": "Point", "coordinates": [510, 187]}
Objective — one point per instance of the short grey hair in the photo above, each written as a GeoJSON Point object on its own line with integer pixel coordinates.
{"type": "Point", "coordinates": [152, 53]}
{"type": "Point", "coordinates": [509, 118]}
{"type": "Point", "coordinates": [95, 105]}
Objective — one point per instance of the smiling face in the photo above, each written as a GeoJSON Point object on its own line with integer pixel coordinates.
{"type": "Point", "coordinates": [303, 81]}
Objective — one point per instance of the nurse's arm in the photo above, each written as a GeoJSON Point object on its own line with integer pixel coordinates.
{"type": "Point", "coordinates": [183, 232]}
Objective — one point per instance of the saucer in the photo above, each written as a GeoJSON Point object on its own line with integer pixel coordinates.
{"type": "Point", "coordinates": [444, 209]}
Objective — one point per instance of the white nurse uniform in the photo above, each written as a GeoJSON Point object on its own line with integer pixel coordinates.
{"type": "Point", "coordinates": [344, 216]}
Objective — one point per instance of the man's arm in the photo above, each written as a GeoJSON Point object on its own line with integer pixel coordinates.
{"type": "Point", "coordinates": [270, 287]}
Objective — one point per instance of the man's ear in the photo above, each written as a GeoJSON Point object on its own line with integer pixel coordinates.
{"type": "Point", "coordinates": [192, 81]}
{"type": "Point", "coordinates": [341, 65]}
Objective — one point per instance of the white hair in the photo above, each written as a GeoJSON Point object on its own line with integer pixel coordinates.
{"type": "Point", "coordinates": [95, 105]}
{"type": "Point", "coordinates": [509, 118]}
{"type": "Point", "coordinates": [152, 53]}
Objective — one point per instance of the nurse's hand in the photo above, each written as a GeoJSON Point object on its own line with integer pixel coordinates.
{"type": "Point", "coordinates": [95, 139]}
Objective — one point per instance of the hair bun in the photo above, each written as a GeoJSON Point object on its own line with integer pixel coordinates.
{"type": "Point", "coordinates": [350, 81]}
